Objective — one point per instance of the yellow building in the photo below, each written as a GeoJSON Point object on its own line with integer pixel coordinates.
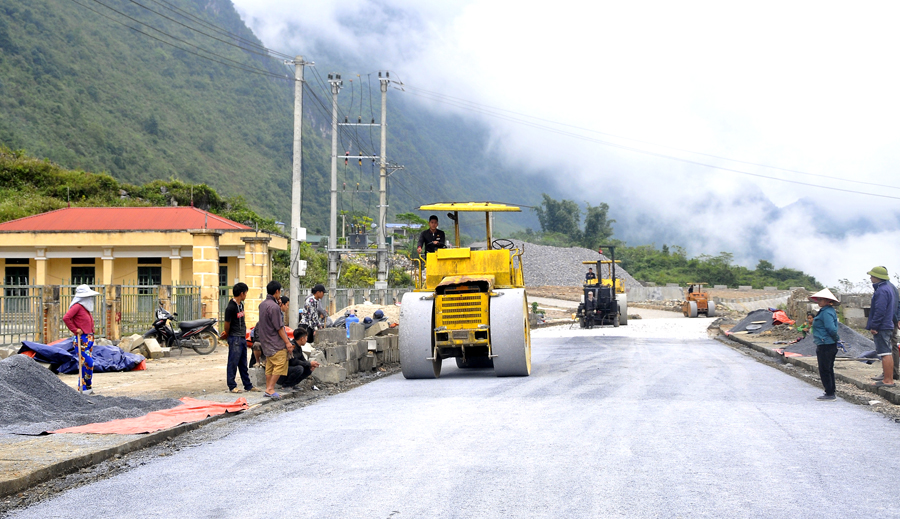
{"type": "Point", "coordinates": [139, 246]}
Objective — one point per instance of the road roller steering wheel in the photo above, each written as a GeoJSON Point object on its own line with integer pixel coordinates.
{"type": "Point", "coordinates": [503, 243]}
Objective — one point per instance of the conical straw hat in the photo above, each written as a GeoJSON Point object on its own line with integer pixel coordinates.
{"type": "Point", "coordinates": [824, 294]}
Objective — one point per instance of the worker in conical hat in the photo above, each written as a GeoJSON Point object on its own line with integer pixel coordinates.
{"type": "Point", "coordinates": [80, 321]}
{"type": "Point", "coordinates": [825, 335]}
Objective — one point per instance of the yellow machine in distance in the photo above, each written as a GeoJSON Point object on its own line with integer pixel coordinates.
{"type": "Point", "coordinates": [607, 282]}
{"type": "Point", "coordinates": [698, 302]}
{"type": "Point", "coordinates": [468, 304]}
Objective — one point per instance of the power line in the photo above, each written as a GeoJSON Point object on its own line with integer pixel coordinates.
{"type": "Point", "coordinates": [234, 64]}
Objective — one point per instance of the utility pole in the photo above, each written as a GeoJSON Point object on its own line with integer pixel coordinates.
{"type": "Point", "coordinates": [336, 84]}
{"type": "Point", "coordinates": [297, 267]}
{"type": "Point", "coordinates": [381, 255]}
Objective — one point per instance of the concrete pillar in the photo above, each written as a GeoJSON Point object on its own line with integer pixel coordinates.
{"type": "Point", "coordinates": [206, 270]}
{"type": "Point", "coordinates": [165, 295]}
{"type": "Point", "coordinates": [113, 296]}
{"type": "Point", "coordinates": [50, 314]}
{"type": "Point", "coordinates": [175, 264]}
{"type": "Point", "coordinates": [256, 275]}
{"type": "Point", "coordinates": [40, 271]}
{"type": "Point", "coordinates": [241, 268]}
{"type": "Point", "coordinates": [107, 266]}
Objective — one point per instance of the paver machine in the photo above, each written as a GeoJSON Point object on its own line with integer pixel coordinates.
{"type": "Point", "coordinates": [698, 302]}
{"type": "Point", "coordinates": [603, 300]}
{"type": "Point", "coordinates": [467, 304]}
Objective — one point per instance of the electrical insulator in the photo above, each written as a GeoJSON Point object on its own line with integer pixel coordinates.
{"type": "Point", "coordinates": [345, 118]}
{"type": "Point", "coordinates": [359, 119]}
{"type": "Point", "coordinates": [360, 161]}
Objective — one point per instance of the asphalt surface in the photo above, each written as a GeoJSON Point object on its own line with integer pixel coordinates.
{"type": "Point", "coordinates": [649, 420]}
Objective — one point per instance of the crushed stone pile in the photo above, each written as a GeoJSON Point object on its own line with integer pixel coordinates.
{"type": "Point", "coordinates": [391, 312]}
{"type": "Point", "coordinates": [855, 343]}
{"type": "Point", "coordinates": [559, 266]}
{"type": "Point", "coordinates": [34, 400]}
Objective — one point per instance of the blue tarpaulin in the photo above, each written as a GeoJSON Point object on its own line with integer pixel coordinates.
{"type": "Point", "coordinates": [62, 358]}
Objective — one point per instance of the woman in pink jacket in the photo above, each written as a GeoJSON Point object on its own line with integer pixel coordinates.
{"type": "Point", "coordinates": [81, 323]}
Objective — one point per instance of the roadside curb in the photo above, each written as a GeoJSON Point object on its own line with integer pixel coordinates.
{"type": "Point", "coordinates": [891, 395]}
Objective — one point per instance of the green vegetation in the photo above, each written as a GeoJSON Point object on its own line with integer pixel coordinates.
{"type": "Point", "coordinates": [91, 94]}
{"type": "Point", "coordinates": [560, 226]}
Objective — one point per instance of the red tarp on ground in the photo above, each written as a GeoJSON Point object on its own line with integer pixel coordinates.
{"type": "Point", "coordinates": [192, 410]}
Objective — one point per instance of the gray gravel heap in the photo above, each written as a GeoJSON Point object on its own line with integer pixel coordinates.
{"type": "Point", "coordinates": [34, 400]}
{"type": "Point", "coordinates": [855, 343]}
{"type": "Point", "coordinates": [561, 266]}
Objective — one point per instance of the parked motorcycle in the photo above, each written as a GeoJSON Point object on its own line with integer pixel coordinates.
{"type": "Point", "coordinates": [201, 335]}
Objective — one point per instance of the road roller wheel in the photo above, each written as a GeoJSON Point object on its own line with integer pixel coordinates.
{"type": "Point", "coordinates": [416, 335]}
{"type": "Point", "coordinates": [510, 333]}
{"type": "Point", "coordinates": [710, 309]}
{"type": "Point", "coordinates": [474, 362]}
{"type": "Point", "coordinates": [693, 309]}
{"type": "Point", "coordinates": [623, 311]}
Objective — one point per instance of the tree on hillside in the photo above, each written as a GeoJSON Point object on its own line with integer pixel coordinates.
{"type": "Point", "coordinates": [559, 217]}
{"type": "Point", "coordinates": [597, 227]}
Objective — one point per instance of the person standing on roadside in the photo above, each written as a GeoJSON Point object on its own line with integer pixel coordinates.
{"type": "Point", "coordinates": [272, 338]}
{"type": "Point", "coordinates": [312, 312]}
{"type": "Point", "coordinates": [825, 335]}
{"type": "Point", "coordinates": [80, 321]}
{"type": "Point", "coordinates": [881, 322]}
{"type": "Point", "coordinates": [895, 337]}
{"type": "Point", "coordinates": [234, 330]}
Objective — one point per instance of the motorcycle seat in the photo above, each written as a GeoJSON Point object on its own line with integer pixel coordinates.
{"type": "Point", "coordinates": [184, 325]}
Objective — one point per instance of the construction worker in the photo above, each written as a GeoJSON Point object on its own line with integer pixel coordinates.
{"type": "Point", "coordinates": [432, 238]}
{"type": "Point", "coordinates": [80, 321]}
{"type": "Point", "coordinates": [590, 276]}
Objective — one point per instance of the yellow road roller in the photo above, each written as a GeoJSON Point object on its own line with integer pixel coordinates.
{"type": "Point", "coordinates": [467, 304]}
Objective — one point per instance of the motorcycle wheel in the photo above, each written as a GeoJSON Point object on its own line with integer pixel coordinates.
{"type": "Point", "coordinates": [205, 343]}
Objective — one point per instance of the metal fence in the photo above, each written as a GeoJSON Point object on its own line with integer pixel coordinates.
{"type": "Point", "coordinates": [21, 313]}
{"type": "Point", "coordinates": [187, 302]}
{"type": "Point", "coordinates": [137, 306]}
{"type": "Point", "coordinates": [224, 296]}
{"type": "Point", "coordinates": [344, 297]}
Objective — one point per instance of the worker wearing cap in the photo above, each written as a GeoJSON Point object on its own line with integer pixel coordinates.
{"type": "Point", "coordinates": [81, 323]}
{"type": "Point", "coordinates": [825, 335]}
{"type": "Point", "coordinates": [881, 322]}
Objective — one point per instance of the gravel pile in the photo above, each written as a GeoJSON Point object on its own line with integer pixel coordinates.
{"type": "Point", "coordinates": [753, 320]}
{"type": "Point", "coordinates": [34, 400]}
{"type": "Point", "coordinates": [855, 343]}
{"type": "Point", "coordinates": [558, 266]}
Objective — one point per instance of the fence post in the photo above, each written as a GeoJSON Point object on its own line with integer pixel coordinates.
{"type": "Point", "coordinates": [165, 297]}
{"type": "Point", "coordinates": [351, 297]}
{"type": "Point", "coordinates": [49, 314]}
{"type": "Point", "coordinates": [331, 302]}
{"type": "Point", "coordinates": [113, 295]}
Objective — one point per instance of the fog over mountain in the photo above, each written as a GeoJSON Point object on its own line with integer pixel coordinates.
{"type": "Point", "coordinates": [685, 118]}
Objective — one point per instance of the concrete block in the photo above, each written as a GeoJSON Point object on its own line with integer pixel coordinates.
{"type": "Point", "coordinates": [377, 328]}
{"type": "Point", "coordinates": [131, 342]}
{"type": "Point", "coordinates": [721, 287]}
{"type": "Point", "coordinates": [745, 287]}
{"type": "Point", "coordinates": [854, 313]}
{"type": "Point", "coordinates": [336, 354]}
{"type": "Point", "coordinates": [649, 284]}
{"type": "Point", "coordinates": [770, 289]}
{"type": "Point", "coordinates": [7, 351]}
{"type": "Point", "coordinates": [352, 366]}
{"type": "Point", "coordinates": [352, 351]}
{"type": "Point", "coordinates": [317, 356]}
{"type": "Point", "coordinates": [382, 343]}
{"type": "Point", "coordinates": [367, 363]}
{"type": "Point", "coordinates": [371, 345]}
{"type": "Point", "coordinates": [258, 377]}
{"type": "Point", "coordinates": [380, 358]}
{"type": "Point", "coordinates": [154, 351]}
{"type": "Point", "coordinates": [103, 342]}
{"type": "Point", "coordinates": [671, 284]}
{"type": "Point", "coordinates": [362, 347]}
{"type": "Point", "coordinates": [330, 374]}
{"type": "Point", "coordinates": [357, 331]}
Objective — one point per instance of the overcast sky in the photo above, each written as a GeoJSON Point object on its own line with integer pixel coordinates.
{"type": "Point", "coordinates": [805, 86]}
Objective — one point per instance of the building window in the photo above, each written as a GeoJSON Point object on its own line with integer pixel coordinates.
{"type": "Point", "coordinates": [83, 275]}
{"type": "Point", "coordinates": [84, 261]}
{"type": "Point", "coordinates": [17, 261]}
{"type": "Point", "coordinates": [150, 261]}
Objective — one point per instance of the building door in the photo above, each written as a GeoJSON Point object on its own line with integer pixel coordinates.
{"type": "Point", "coordinates": [149, 279]}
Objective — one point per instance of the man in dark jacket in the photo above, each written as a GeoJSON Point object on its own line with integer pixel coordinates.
{"type": "Point", "coordinates": [432, 238]}
{"type": "Point", "coordinates": [298, 367]}
{"type": "Point", "coordinates": [881, 321]}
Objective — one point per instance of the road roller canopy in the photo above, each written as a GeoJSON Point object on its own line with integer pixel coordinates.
{"type": "Point", "coordinates": [473, 207]}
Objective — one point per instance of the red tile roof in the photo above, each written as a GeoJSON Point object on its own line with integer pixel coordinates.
{"type": "Point", "coordinates": [76, 219]}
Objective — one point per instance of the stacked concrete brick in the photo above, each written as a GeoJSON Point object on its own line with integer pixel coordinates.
{"type": "Point", "coordinates": [359, 354]}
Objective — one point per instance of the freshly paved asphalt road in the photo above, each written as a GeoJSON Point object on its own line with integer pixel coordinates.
{"type": "Point", "coordinates": [649, 420]}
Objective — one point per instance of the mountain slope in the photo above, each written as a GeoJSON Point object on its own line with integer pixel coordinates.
{"type": "Point", "coordinates": [87, 92]}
